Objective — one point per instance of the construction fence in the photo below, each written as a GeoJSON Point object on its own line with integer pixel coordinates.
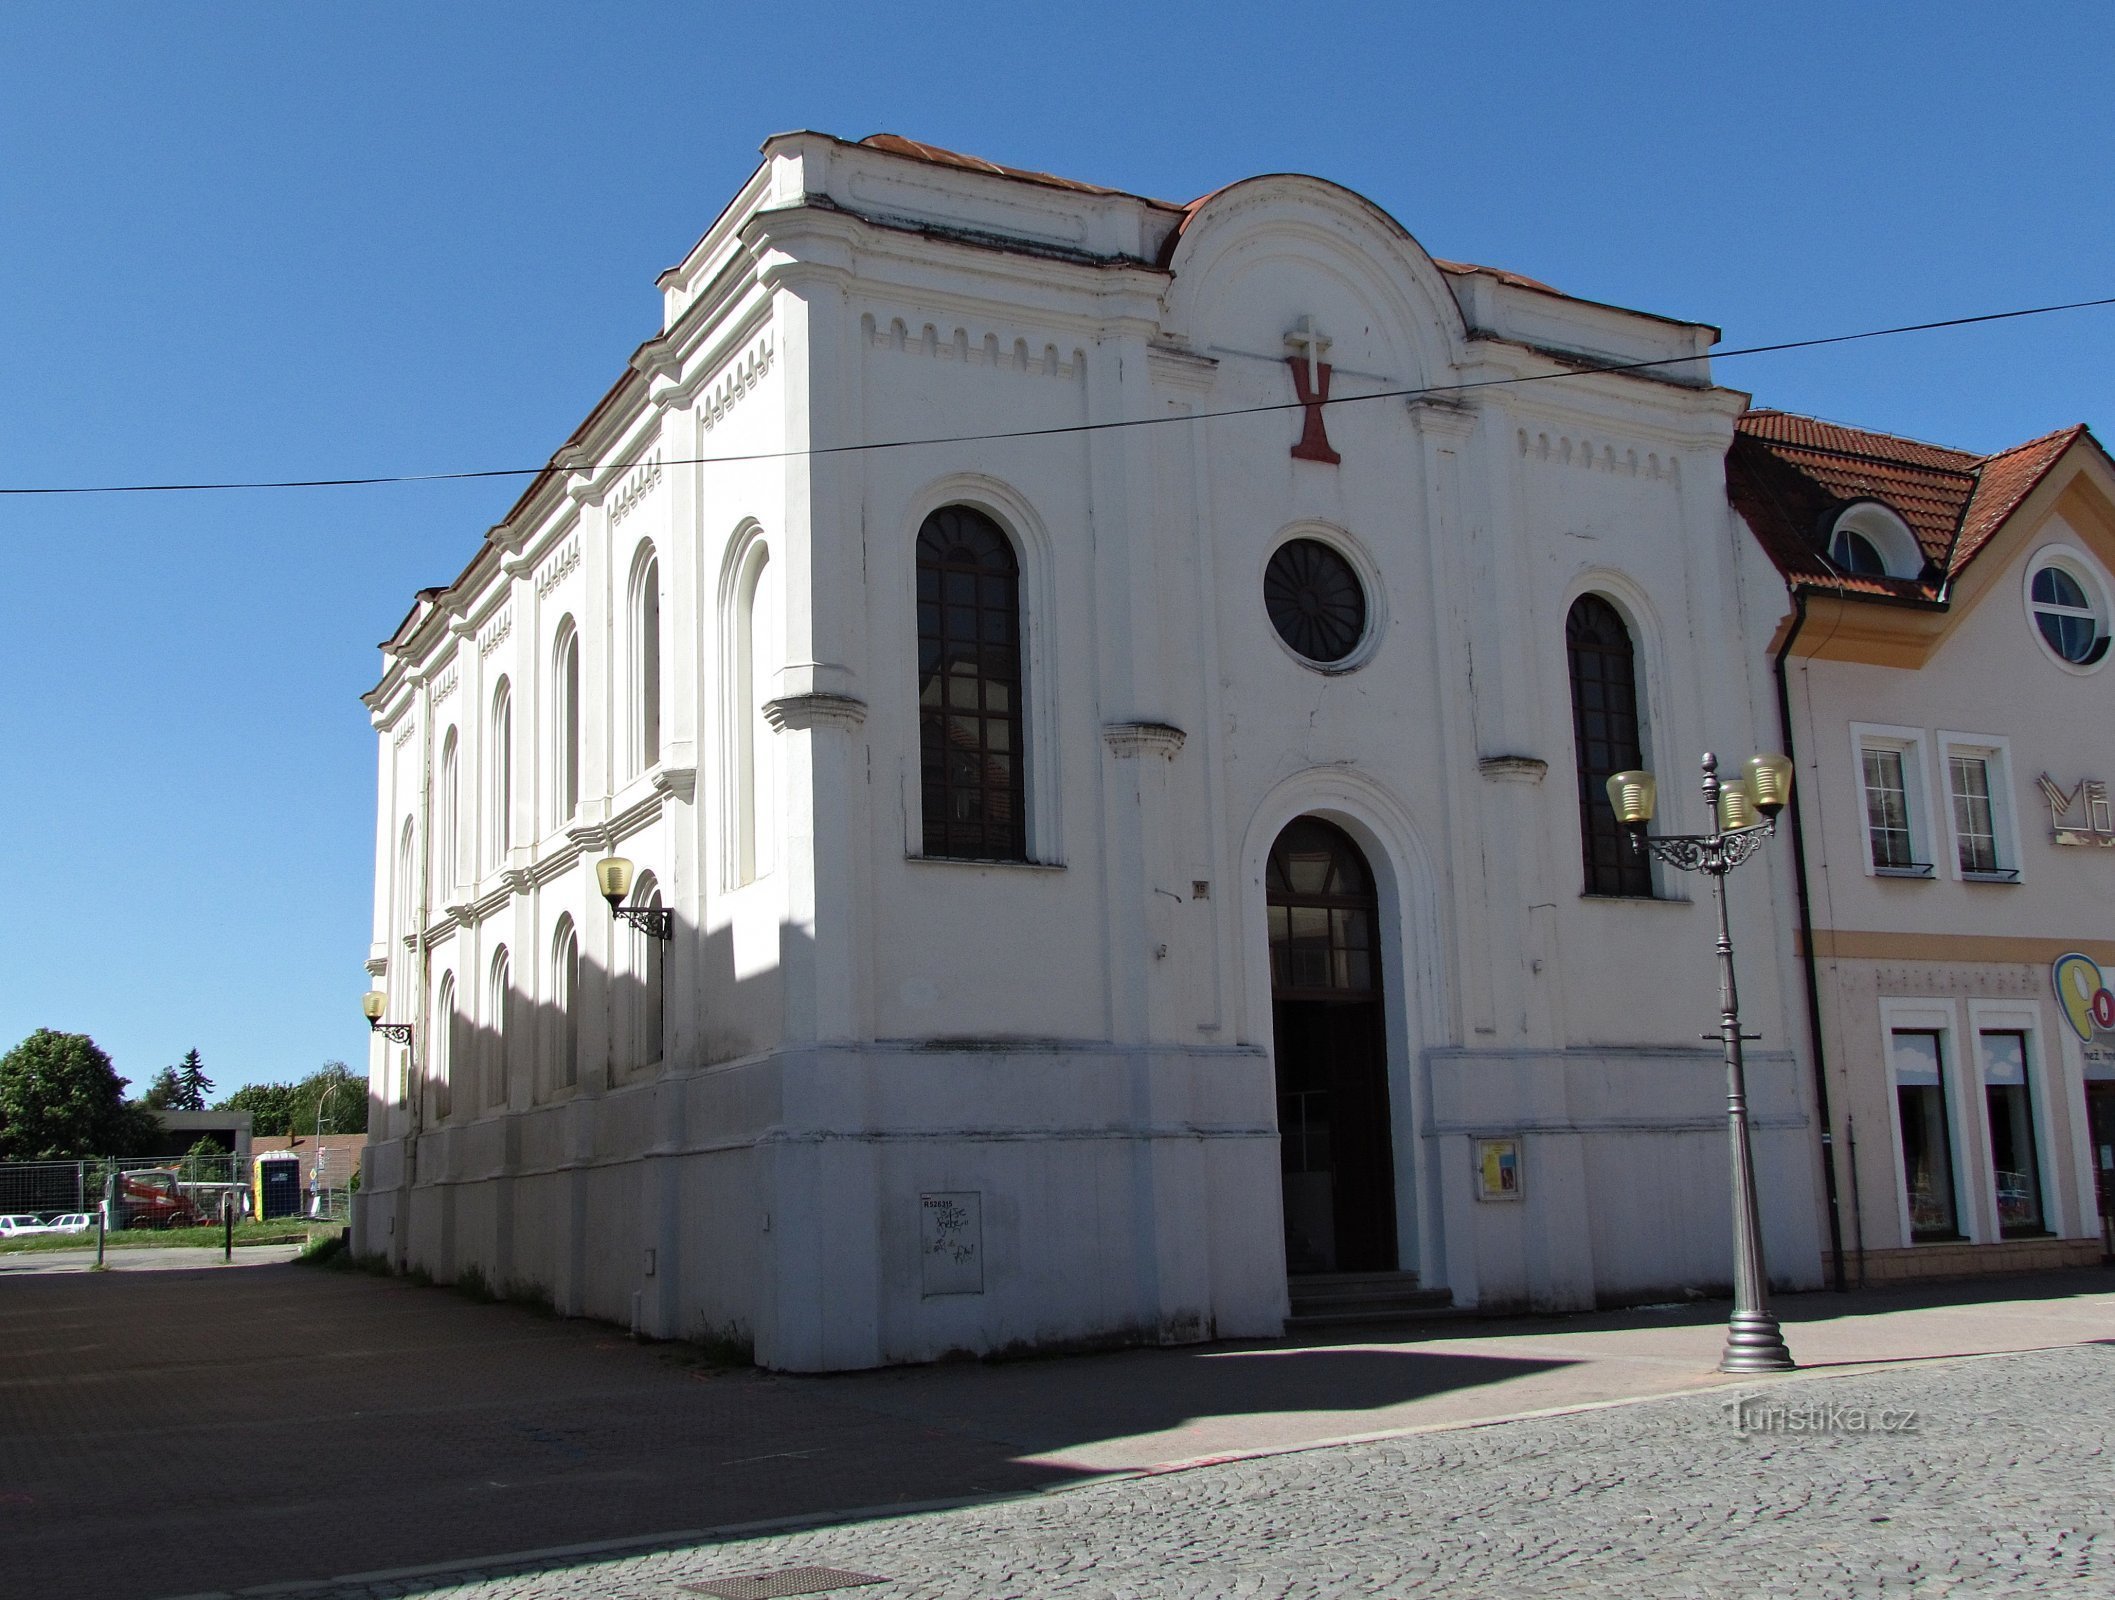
{"type": "Point", "coordinates": [192, 1190]}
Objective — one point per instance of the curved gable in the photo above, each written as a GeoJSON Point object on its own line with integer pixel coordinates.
{"type": "Point", "coordinates": [1250, 261]}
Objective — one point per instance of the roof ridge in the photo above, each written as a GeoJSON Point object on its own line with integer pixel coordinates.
{"type": "Point", "coordinates": [1862, 429]}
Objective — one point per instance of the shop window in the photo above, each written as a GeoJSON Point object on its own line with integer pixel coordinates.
{"type": "Point", "coordinates": [2014, 1161]}
{"type": "Point", "coordinates": [1927, 1146]}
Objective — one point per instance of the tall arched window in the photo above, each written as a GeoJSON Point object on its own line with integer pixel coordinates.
{"type": "Point", "coordinates": [502, 801]}
{"type": "Point", "coordinates": [565, 1011]}
{"type": "Point", "coordinates": [406, 919]}
{"type": "Point", "coordinates": [973, 785]}
{"type": "Point", "coordinates": [447, 1048]}
{"type": "Point", "coordinates": [447, 825]}
{"type": "Point", "coordinates": [499, 1013]}
{"type": "Point", "coordinates": [1606, 740]}
{"type": "Point", "coordinates": [646, 662]}
{"type": "Point", "coordinates": [759, 652]}
{"type": "Point", "coordinates": [565, 724]}
{"type": "Point", "coordinates": [639, 1014]}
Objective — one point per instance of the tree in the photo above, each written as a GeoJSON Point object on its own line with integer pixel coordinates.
{"type": "Point", "coordinates": [165, 1092]}
{"type": "Point", "coordinates": [277, 1109]}
{"type": "Point", "coordinates": [60, 1098]}
{"type": "Point", "coordinates": [191, 1074]}
{"type": "Point", "coordinates": [270, 1105]}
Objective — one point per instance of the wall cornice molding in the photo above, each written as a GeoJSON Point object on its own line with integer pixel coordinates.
{"type": "Point", "coordinates": [1513, 769]}
{"type": "Point", "coordinates": [1130, 739]}
{"type": "Point", "coordinates": [802, 712]}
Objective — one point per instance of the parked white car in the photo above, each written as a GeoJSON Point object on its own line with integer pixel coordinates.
{"type": "Point", "coordinates": [14, 1227]}
{"type": "Point", "coordinates": [72, 1222]}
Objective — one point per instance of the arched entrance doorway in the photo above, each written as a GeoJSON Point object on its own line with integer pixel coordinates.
{"type": "Point", "coordinates": [1335, 1153]}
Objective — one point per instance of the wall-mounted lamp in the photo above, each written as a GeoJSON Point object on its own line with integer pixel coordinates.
{"type": "Point", "coordinates": [374, 1003]}
{"type": "Point", "coordinates": [613, 876]}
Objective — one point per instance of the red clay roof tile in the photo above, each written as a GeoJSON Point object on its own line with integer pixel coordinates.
{"type": "Point", "coordinates": [1788, 475]}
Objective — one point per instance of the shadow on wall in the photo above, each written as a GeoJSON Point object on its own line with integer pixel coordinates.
{"type": "Point", "coordinates": [671, 1006]}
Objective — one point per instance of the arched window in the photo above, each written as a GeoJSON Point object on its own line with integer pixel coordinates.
{"type": "Point", "coordinates": [646, 662]}
{"type": "Point", "coordinates": [502, 801]}
{"type": "Point", "coordinates": [759, 651]}
{"type": "Point", "coordinates": [973, 784]}
{"type": "Point", "coordinates": [639, 1014]}
{"type": "Point", "coordinates": [406, 920]}
{"type": "Point", "coordinates": [565, 724]}
{"type": "Point", "coordinates": [447, 1048]}
{"type": "Point", "coordinates": [565, 1012]}
{"type": "Point", "coordinates": [499, 1013]}
{"type": "Point", "coordinates": [447, 825]}
{"type": "Point", "coordinates": [1606, 740]}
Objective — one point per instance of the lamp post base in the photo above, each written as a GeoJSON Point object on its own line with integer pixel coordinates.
{"type": "Point", "coordinates": [1753, 1344]}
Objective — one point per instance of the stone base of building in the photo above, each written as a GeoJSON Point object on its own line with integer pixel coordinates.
{"type": "Point", "coordinates": [1925, 1263]}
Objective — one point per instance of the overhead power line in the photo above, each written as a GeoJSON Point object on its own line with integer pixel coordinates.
{"type": "Point", "coordinates": [1437, 389]}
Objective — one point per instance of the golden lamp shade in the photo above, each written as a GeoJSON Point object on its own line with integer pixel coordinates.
{"type": "Point", "coordinates": [1769, 783]}
{"type": "Point", "coordinates": [1736, 807]}
{"type": "Point", "coordinates": [373, 1004]}
{"type": "Point", "coordinates": [613, 876]}
{"type": "Point", "coordinates": [1632, 795]}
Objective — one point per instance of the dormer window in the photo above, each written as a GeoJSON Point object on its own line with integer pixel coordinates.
{"type": "Point", "coordinates": [1870, 541]}
{"type": "Point", "coordinates": [1854, 553]}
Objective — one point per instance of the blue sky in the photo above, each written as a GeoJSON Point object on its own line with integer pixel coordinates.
{"type": "Point", "coordinates": [248, 240]}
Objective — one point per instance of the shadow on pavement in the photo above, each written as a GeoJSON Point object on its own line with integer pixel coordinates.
{"type": "Point", "coordinates": [183, 1432]}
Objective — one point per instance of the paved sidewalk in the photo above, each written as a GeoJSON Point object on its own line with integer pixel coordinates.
{"type": "Point", "coordinates": [1984, 1476]}
{"type": "Point", "coordinates": [173, 1432]}
{"type": "Point", "coordinates": [147, 1258]}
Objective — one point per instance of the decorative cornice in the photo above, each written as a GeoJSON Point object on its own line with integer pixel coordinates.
{"type": "Point", "coordinates": [558, 566]}
{"type": "Point", "coordinates": [591, 835]}
{"type": "Point", "coordinates": [501, 626]}
{"type": "Point", "coordinates": [984, 352]}
{"type": "Point", "coordinates": [1143, 739]}
{"type": "Point", "coordinates": [1513, 769]}
{"type": "Point", "coordinates": [801, 712]}
{"type": "Point", "coordinates": [641, 482]}
{"type": "Point", "coordinates": [1559, 451]}
{"type": "Point", "coordinates": [378, 966]}
{"type": "Point", "coordinates": [404, 733]}
{"type": "Point", "coordinates": [681, 782]}
{"type": "Point", "coordinates": [446, 686]}
{"type": "Point", "coordinates": [742, 375]}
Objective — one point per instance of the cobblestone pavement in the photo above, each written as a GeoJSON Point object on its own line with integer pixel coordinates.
{"type": "Point", "coordinates": [2001, 1486]}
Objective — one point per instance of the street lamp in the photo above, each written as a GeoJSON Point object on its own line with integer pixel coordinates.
{"type": "Point", "coordinates": [613, 876]}
{"type": "Point", "coordinates": [374, 1003]}
{"type": "Point", "coordinates": [1745, 810]}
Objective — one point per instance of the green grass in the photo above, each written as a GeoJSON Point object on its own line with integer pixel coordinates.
{"type": "Point", "coordinates": [289, 1230]}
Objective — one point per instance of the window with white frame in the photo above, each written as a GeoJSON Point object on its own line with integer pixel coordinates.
{"type": "Point", "coordinates": [1890, 771]}
{"type": "Point", "coordinates": [2069, 605]}
{"type": "Point", "coordinates": [565, 724]}
{"type": "Point", "coordinates": [646, 660]}
{"type": "Point", "coordinates": [1917, 1057]}
{"type": "Point", "coordinates": [447, 823]}
{"type": "Point", "coordinates": [2015, 1159]}
{"type": "Point", "coordinates": [1979, 808]}
{"type": "Point", "coordinates": [446, 1048]}
{"type": "Point", "coordinates": [502, 775]}
{"type": "Point", "coordinates": [498, 1016]}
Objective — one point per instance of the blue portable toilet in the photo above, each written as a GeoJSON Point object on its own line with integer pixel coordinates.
{"type": "Point", "coordinates": [278, 1185]}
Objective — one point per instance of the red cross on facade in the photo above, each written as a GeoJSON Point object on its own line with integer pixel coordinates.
{"type": "Point", "coordinates": [1311, 387]}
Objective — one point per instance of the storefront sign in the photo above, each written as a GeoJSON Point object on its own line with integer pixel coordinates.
{"type": "Point", "coordinates": [2081, 814]}
{"type": "Point", "coordinates": [2088, 1005]}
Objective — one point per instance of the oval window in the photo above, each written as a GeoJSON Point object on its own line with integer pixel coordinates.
{"type": "Point", "coordinates": [1315, 600]}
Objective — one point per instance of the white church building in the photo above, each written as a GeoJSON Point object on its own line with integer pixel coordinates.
{"type": "Point", "coordinates": [1131, 838]}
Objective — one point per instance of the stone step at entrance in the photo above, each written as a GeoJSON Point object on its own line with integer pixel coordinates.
{"type": "Point", "coordinates": [1343, 1299]}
